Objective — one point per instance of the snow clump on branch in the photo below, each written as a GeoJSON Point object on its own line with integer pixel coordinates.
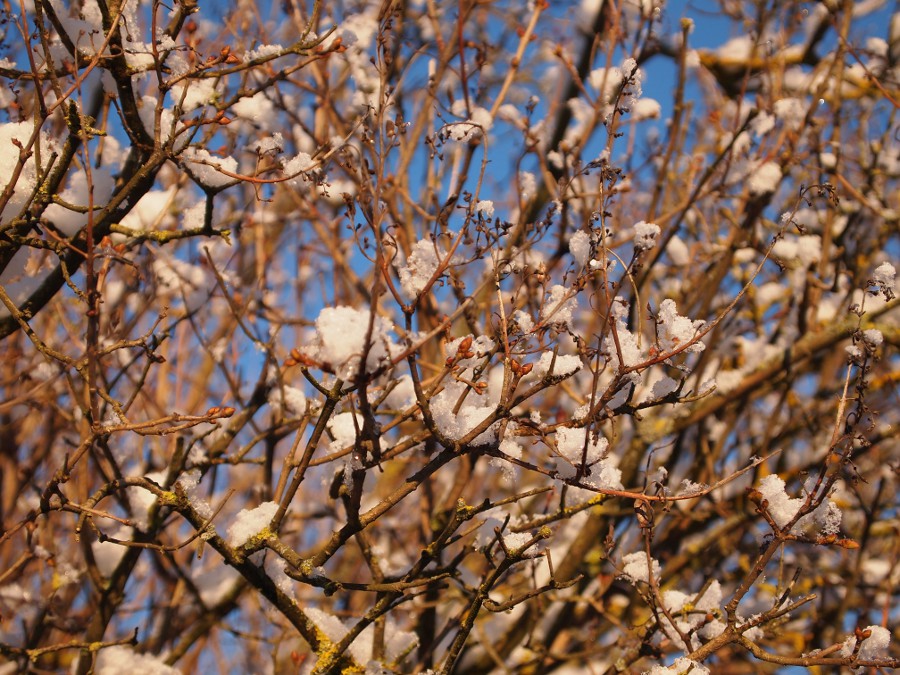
{"type": "Point", "coordinates": [558, 308]}
{"type": "Point", "coordinates": [250, 522]}
{"type": "Point", "coordinates": [677, 330]}
{"type": "Point", "coordinates": [425, 259]}
{"type": "Point", "coordinates": [575, 445]}
{"type": "Point", "coordinates": [885, 277]}
{"type": "Point", "coordinates": [340, 341]}
{"type": "Point", "coordinates": [645, 235]}
{"type": "Point", "coordinates": [783, 508]}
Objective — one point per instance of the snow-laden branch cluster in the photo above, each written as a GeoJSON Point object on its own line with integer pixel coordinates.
{"type": "Point", "coordinates": [439, 337]}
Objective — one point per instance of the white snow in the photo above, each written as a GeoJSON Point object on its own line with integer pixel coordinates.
{"type": "Point", "coordinates": [558, 309]}
{"type": "Point", "coordinates": [526, 323]}
{"type": "Point", "coordinates": [645, 109]}
{"type": "Point", "coordinates": [885, 275]}
{"type": "Point", "coordinates": [485, 207]}
{"type": "Point", "coordinates": [343, 427]}
{"type": "Point", "coordinates": [257, 109]}
{"type": "Point", "coordinates": [456, 425]}
{"type": "Point", "coordinates": [677, 330]}
{"type": "Point", "coordinates": [645, 235]}
{"type": "Point", "coordinates": [297, 164]}
{"type": "Point", "coordinates": [193, 93]}
{"type": "Point", "coordinates": [262, 51]}
{"type": "Point", "coordinates": [19, 132]}
{"type": "Point", "coordinates": [678, 251]}
{"type": "Point", "coordinates": [423, 262]}
{"type": "Point", "coordinates": [142, 500]}
{"type": "Point", "coordinates": [563, 366]}
{"type": "Point", "coordinates": [249, 523]}
{"type": "Point", "coordinates": [627, 341]}
{"type": "Point", "coordinates": [122, 660]}
{"type": "Point", "coordinates": [289, 400]}
{"type": "Point", "coordinates": [873, 337]}
{"type": "Point", "coordinates": [873, 647]}
{"type": "Point", "coordinates": [764, 178]}
{"type": "Point", "coordinates": [77, 194]}
{"type": "Point", "coordinates": [635, 567]}
{"type": "Point", "coordinates": [580, 247]}
{"type": "Point", "coordinates": [472, 128]}
{"type": "Point", "coordinates": [340, 340]}
{"type": "Point", "coordinates": [527, 184]}
{"type": "Point", "coordinates": [806, 249]}
{"type": "Point", "coordinates": [602, 471]}
{"type": "Point", "coordinates": [205, 168]}
{"type": "Point", "coordinates": [663, 387]}
{"type": "Point", "coordinates": [791, 111]}
{"type": "Point", "coordinates": [607, 81]}
{"type": "Point", "coordinates": [515, 541]}
{"type": "Point", "coordinates": [783, 508]}
{"type": "Point", "coordinates": [402, 395]}
{"type": "Point", "coordinates": [107, 554]}
{"type": "Point", "coordinates": [681, 666]}
{"type": "Point", "coordinates": [397, 642]}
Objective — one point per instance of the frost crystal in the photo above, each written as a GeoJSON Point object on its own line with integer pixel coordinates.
{"type": "Point", "coordinates": [251, 522]}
